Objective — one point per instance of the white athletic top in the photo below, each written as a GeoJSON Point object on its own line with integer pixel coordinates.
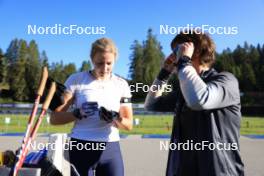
{"type": "Point", "coordinates": [93, 94]}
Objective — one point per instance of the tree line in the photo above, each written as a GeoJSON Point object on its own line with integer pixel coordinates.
{"type": "Point", "coordinates": [20, 67]}
{"type": "Point", "coordinates": [245, 62]}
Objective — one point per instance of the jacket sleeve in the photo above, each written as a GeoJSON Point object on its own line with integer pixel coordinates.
{"type": "Point", "coordinates": [155, 101]}
{"type": "Point", "coordinates": [220, 92]}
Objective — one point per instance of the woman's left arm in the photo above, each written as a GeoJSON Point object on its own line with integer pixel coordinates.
{"type": "Point", "coordinates": [125, 120]}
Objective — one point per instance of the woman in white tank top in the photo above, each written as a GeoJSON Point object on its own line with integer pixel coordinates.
{"type": "Point", "coordinates": [102, 106]}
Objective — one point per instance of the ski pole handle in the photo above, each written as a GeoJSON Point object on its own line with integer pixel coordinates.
{"type": "Point", "coordinates": [49, 97]}
{"type": "Point", "coordinates": [43, 80]}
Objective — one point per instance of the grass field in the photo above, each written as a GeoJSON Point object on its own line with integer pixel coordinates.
{"type": "Point", "coordinates": [148, 125]}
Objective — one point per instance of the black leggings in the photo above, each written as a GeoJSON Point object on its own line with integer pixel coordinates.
{"type": "Point", "coordinates": [102, 157]}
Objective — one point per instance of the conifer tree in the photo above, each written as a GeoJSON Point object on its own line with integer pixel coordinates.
{"type": "Point", "coordinates": [86, 65]}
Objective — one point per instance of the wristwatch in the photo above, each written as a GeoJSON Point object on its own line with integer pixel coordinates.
{"type": "Point", "coordinates": [183, 61]}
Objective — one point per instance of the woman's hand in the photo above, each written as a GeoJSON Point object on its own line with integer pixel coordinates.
{"type": "Point", "coordinates": [169, 62]}
{"type": "Point", "coordinates": [186, 49]}
{"type": "Point", "coordinates": [60, 116]}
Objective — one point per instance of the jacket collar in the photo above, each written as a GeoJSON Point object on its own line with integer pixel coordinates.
{"type": "Point", "coordinates": [208, 73]}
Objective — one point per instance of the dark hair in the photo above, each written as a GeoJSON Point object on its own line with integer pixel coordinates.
{"type": "Point", "coordinates": [204, 47]}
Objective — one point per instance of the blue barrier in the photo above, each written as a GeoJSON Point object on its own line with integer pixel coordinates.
{"type": "Point", "coordinates": [163, 136]}
{"type": "Point", "coordinates": [255, 136]}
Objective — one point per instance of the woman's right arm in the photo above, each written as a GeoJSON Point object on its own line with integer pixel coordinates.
{"type": "Point", "coordinates": [60, 116]}
{"type": "Point", "coordinates": [155, 101]}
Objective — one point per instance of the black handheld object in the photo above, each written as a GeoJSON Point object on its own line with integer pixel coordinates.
{"type": "Point", "coordinates": [86, 110]}
{"type": "Point", "coordinates": [77, 113]}
{"type": "Point", "coordinates": [57, 99]}
{"type": "Point", "coordinates": [107, 115]}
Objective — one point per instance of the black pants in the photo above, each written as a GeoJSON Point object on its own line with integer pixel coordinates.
{"type": "Point", "coordinates": [103, 157]}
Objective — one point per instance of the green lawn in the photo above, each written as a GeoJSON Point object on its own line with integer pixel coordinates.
{"type": "Point", "coordinates": [148, 125]}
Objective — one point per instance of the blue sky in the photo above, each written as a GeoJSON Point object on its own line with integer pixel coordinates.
{"type": "Point", "coordinates": [126, 21]}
